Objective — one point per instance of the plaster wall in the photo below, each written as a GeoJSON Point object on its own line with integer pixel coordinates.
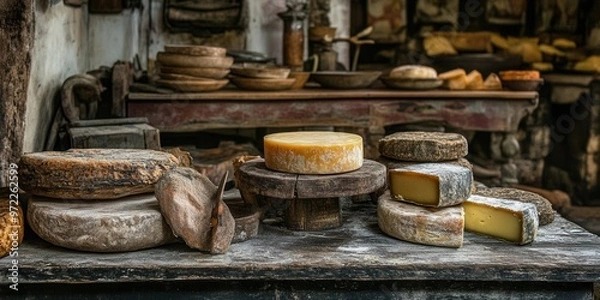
{"type": "Point", "coordinates": [59, 51]}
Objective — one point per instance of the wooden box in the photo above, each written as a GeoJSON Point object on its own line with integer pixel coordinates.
{"type": "Point", "coordinates": [132, 133]}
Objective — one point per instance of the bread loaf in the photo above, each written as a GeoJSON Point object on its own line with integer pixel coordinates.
{"type": "Point", "coordinates": [413, 72]}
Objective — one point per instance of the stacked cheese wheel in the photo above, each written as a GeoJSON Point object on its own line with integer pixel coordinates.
{"type": "Point", "coordinates": [429, 199]}
{"type": "Point", "coordinates": [98, 200]}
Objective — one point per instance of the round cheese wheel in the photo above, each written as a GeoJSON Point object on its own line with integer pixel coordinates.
{"type": "Point", "coordinates": [412, 223]}
{"type": "Point", "coordinates": [93, 173]}
{"type": "Point", "coordinates": [313, 152]}
{"type": "Point", "coordinates": [12, 225]}
{"type": "Point", "coordinates": [413, 72]}
{"type": "Point", "coordinates": [423, 146]}
{"type": "Point", "coordinates": [127, 224]}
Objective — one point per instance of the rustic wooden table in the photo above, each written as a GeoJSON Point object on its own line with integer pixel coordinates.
{"type": "Point", "coordinates": [354, 261]}
{"type": "Point", "coordinates": [366, 112]}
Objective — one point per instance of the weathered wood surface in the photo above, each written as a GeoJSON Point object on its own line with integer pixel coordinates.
{"type": "Point", "coordinates": [487, 111]}
{"type": "Point", "coordinates": [562, 252]}
{"type": "Point", "coordinates": [320, 93]}
{"type": "Point", "coordinates": [256, 178]}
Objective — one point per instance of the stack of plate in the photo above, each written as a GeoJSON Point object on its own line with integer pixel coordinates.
{"type": "Point", "coordinates": [261, 77]}
{"type": "Point", "coordinates": [187, 68]}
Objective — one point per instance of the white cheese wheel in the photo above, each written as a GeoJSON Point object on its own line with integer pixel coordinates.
{"type": "Point", "coordinates": [503, 219]}
{"type": "Point", "coordinates": [93, 173]}
{"type": "Point", "coordinates": [126, 224]}
{"type": "Point", "coordinates": [423, 146]}
{"type": "Point", "coordinates": [313, 152]}
{"type": "Point", "coordinates": [431, 184]}
{"type": "Point", "coordinates": [413, 72]}
{"type": "Point", "coordinates": [412, 223]}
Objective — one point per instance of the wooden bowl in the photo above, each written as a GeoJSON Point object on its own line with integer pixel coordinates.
{"type": "Point", "coordinates": [214, 73]}
{"type": "Point", "coordinates": [345, 80]}
{"type": "Point", "coordinates": [260, 71]}
{"type": "Point", "coordinates": [247, 221]}
{"type": "Point", "coordinates": [263, 84]}
{"type": "Point", "coordinates": [193, 61]}
{"type": "Point", "coordinates": [301, 79]}
{"type": "Point", "coordinates": [173, 76]}
{"type": "Point", "coordinates": [193, 86]}
{"type": "Point", "coordinates": [412, 84]}
{"type": "Point", "coordinates": [523, 85]}
{"type": "Point", "coordinates": [197, 50]}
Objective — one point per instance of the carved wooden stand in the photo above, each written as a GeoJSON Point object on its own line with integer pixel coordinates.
{"type": "Point", "coordinates": [310, 202]}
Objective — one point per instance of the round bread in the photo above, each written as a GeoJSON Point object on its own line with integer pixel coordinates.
{"type": "Point", "coordinates": [520, 75]}
{"type": "Point", "coordinates": [544, 207]}
{"type": "Point", "coordinates": [423, 146]}
{"type": "Point", "coordinates": [413, 72]}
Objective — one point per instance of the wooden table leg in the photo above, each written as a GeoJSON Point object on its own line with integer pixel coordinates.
{"type": "Point", "coordinates": [314, 214]}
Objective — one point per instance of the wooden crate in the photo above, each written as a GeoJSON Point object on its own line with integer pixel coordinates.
{"type": "Point", "coordinates": [132, 133]}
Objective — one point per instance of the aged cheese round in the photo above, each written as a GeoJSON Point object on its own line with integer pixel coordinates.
{"type": "Point", "coordinates": [127, 224]}
{"type": "Point", "coordinates": [313, 152]}
{"type": "Point", "coordinates": [423, 146]}
{"type": "Point", "coordinates": [544, 207]}
{"type": "Point", "coordinates": [431, 184]}
{"type": "Point", "coordinates": [413, 72]}
{"type": "Point", "coordinates": [412, 223]}
{"type": "Point", "coordinates": [508, 220]}
{"type": "Point", "coordinates": [93, 173]}
{"type": "Point", "coordinates": [187, 200]}
{"type": "Point", "coordinates": [12, 226]}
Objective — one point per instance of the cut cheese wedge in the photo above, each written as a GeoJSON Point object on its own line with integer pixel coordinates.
{"type": "Point", "coordinates": [313, 152]}
{"type": "Point", "coordinates": [430, 226]}
{"type": "Point", "coordinates": [508, 220]}
{"type": "Point", "coordinates": [431, 184]}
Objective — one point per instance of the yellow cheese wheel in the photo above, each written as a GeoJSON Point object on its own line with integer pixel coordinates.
{"type": "Point", "coordinates": [313, 152]}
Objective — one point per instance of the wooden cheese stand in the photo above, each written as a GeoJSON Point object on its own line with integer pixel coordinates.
{"type": "Point", "coordinates": [354, 261]}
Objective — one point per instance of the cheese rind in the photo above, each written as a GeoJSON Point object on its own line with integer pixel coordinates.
{"type": "Point", "coordinates": [395, 164]}
{"type": "Point", "coordinates": [423, 146]}
{"type": "Point", "coordinates": [126, 224]}
{"type": "Point", "coordinates": [93, 173]}
{"type": "Point", "coordinates": [508, 220]}
{"type": "Point", "coordinates": [543, 206]}
{"type": "Point", "coordinates": [313, 152]}
{"type": "Point", "coordinates": [431, 184]}
{"type": "Point", "coordinates": [430, 226]}
{"type": "Point", "coordinates": [186, 200]}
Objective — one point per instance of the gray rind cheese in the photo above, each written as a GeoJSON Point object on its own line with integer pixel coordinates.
{"type": "Point", "coordinates": [423, 146]}
{"type": "Point", "coordinates": [543, 206]}
{"type": "Point", "coordinates": [127, 224]}
{"type": "Point", "coordinates": [186, 199]}
{"type": "Point", "coordinates": [497, 219]}
{"type": "Point", "coordinates": [429, 226]}
{"type": "Point", "coordinates": [93, 173]}
{"type": "Point", "coordinates": [431, 184]}
{"type": "Point", "coordinates": [395, 164]}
